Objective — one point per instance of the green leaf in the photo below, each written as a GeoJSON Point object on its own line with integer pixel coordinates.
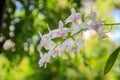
{"type": "Point", "coordinates": [111, 60]}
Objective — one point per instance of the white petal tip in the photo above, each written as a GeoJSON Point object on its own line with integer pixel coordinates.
{"type": "Point", "coordinates": [73, 11]}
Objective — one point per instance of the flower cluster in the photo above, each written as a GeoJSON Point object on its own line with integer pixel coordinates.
{"type": "Point", "coordinates": [72, 40]}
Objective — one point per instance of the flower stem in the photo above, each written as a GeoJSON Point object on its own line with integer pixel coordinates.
{"type": "Point", "coordinates": [112, 24]}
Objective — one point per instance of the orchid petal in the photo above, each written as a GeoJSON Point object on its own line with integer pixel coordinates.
{"type": "Point", "coordinates": [60, 25]}
{"type": "Point", "coordinates": [73, 11]}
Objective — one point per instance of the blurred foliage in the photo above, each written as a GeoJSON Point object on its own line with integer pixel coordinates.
{"type": "Point", "coordinates": [30, 16]}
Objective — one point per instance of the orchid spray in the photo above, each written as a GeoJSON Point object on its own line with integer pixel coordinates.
{"type": "Point", "coordinates": [72, 38]}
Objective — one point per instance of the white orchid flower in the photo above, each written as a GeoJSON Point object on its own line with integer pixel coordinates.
{"type": "Point", "coordinates": [44, 59]}
{"type": "Point", "coordinates": [65, 44]}
{"type": "Point", "coordinates": [73, 17]}
{"type": "Point", "coordinates": [68, 45]}
{"type": "Point", "coordinates": [98, 27]}
{"type": "Point", "coordinates": [56, 51]}
{"type": "Point", "coordinates": [60, 32]}
{"type": "Point", "coordinates": [47, 42]}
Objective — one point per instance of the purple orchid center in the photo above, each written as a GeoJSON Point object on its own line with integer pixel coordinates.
{"type": "Point", "coordinates": [96, 27]}
{"type": "Point", "coordinates": [74, 18]}
{"type": "Point", "coordinates": [60, 33]}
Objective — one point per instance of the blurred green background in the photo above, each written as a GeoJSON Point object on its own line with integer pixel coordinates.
{"type": "Point", "coordinates": [22, 19]}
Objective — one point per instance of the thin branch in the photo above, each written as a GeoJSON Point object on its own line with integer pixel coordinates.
{"type": "Point", "coordinates": [112, 24]}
